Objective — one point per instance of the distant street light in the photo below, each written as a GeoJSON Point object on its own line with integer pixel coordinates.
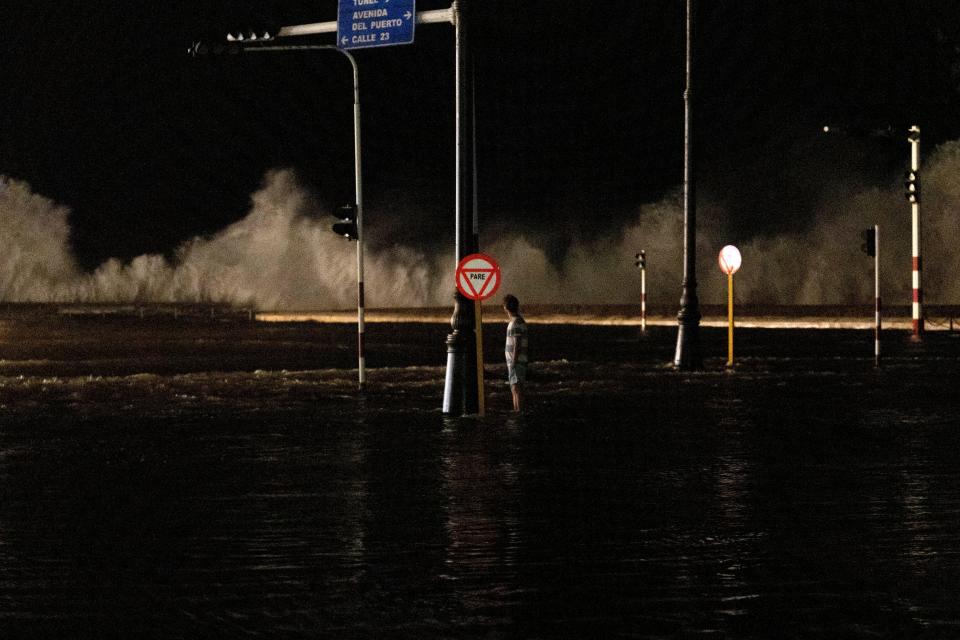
{"type": "Point", "coordinates": [730, 261]}
{"type": "Point", "coordinates": [687, 355]}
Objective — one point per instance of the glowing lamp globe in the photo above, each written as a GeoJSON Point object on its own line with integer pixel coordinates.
{"type": "Point", "coordinates": [730, 259]}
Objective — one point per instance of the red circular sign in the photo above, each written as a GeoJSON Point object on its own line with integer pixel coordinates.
{"type": "Point", "coordinates": [478, 276]}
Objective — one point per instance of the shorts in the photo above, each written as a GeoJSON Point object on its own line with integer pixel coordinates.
{"type": "Point", "coordinates": [517, 373]}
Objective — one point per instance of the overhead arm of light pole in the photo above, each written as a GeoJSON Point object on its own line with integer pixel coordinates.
{"type": "Point", "coordinates": [423, 17]}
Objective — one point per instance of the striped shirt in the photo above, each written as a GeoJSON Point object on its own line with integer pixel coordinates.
{"type": "Point", "coordinates": [516, 340]}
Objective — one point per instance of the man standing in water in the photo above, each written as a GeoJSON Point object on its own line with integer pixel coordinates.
{"type": "Point", "coordinates": [516, 350]}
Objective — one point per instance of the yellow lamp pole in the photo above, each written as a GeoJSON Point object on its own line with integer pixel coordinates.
{"type": "Point", "coordinates": [730, 319]}
{"type": "Point", "coordinates": [730, 261]}
{"type": "Point", "coordinates": [478, 320]}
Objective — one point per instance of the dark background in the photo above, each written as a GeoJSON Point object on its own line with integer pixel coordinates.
{"type": "Point", "coordinates": [580, 109]}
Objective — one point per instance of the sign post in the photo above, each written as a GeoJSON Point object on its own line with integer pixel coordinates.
{"type": "Point", "coordinates": [641, 262]}
{"type": "Point", "coordinates": [913, 197]}
{"type": "Point", "coordinates": [730, 261]}
{"type": "Point", "coordinates": [375, 23]}
{"type": "Point", "coordinates": [876, 295]}
{"type": "Point", "coordinates": [871, 246]}
{"type": "Point", "coordinates": [478, 278]}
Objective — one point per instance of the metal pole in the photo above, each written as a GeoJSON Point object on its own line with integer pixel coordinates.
{"type": "Point", "coordinates": [914, 139]}
{"type": "Point", "coordinates": [481, 396]}
{"type": "Point", "coordinates": [478, 305]}
{"type": "Point", "coordinates": [460, 372]}
{"type": "Point", "coordinates": [473, 157]}
{"type": "Point", "coordinates": [730, 319]}
{"type": "Point", "coordinates": [358, 190]}
{"type": "Point", "coordinates": [460, 385]}
{"type": "Point", "coordinates": [361, 356]}
{"type": "Point", "coordinates": [643, 299]}
{"type": "Point", "coordinates": [876, 294]}
{"type": "Point", "coordinates": [687, 355]}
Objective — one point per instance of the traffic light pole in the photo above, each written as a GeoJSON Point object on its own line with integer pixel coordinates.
{"type": "Point", "coordinates": [460, 390]}
{"type": "Point", "coordinates": [876, 295]}
{"type": "Point", "coordinates": [641, 263]}
{"type": "Point", "coordinates": [461, 394]}
{"type": "Point", "coordinates": [687, 356]}
{"type": "Point", "coordinates": [358, 190]}
{"type": "Point", "coordinates": [914, 139]}
{"type": "Point", "coordinates": [643, 299]}
{"type": "Point", "coordinates": [913, 194]}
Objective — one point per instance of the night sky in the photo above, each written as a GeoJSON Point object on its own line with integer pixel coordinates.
{"type": "Point", "coordinates": [580, 110]}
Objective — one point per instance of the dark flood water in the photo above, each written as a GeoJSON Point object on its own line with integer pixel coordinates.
{"type": "Point", "coordinates": [197, 480]}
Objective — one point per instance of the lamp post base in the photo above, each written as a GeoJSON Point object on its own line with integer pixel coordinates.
{"type": "Point", "coordinates": [460, 396]}
{"type": "Point", "coordinates": [688, 356]}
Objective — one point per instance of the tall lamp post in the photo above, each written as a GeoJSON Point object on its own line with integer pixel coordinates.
{"type": "Point", "coordinates": [460, 394]}
{"type": "Point", "coordinates": [687, 356]}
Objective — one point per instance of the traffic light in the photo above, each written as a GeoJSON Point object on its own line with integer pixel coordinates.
{"type": "Point", "coordinates": [641, 260]}
{"type": "Point", "coordinates": [869, 245]}
{"type": "Point", "coordinates": [346, 224]}
{"type": "Point", "coordinates": [262, 32]}
{"type": "Point", "coordinates": [912, 187]}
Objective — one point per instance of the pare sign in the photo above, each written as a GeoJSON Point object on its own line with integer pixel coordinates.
{"type": "Point", "coordinates": [478, 276]}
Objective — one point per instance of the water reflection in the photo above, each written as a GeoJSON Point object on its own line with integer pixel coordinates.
{"type": "Point", "coordinates": [776, 500]}
{"type": "Point", "coordinates": [480, 479]}
{"type": "Point", "coordinates": [403, 523]}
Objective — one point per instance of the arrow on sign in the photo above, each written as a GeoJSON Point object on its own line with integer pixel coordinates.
{"type": "Point", "coordinates": [408, 15]}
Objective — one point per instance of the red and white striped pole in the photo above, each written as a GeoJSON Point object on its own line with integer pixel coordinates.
{"type": "Point", "coordinates": [358, 184]}
{"type": "Point", "coordinates": [914, 139]}
{"type": "Point", "coordinates": [641, 262]}
{"type": "Point", "coordinates": [643, 299]}
{"type": "Point", "coordinates": [876, 294]}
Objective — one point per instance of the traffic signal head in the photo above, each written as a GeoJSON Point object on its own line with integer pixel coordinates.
{"type": "Point", "coordinates": [346, 224]}
{"type": "Point", "coordinates": [869, 245]}
{"type": "Point", "coordinates": [911, 187]}
{"type": "Point", "coordinates": [260, 33]}
{"type": "Point", "coordinates": [641, 260]}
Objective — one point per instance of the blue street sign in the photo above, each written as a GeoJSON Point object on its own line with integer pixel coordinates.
{"type": "Point", "coordinates": [375, 23]}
